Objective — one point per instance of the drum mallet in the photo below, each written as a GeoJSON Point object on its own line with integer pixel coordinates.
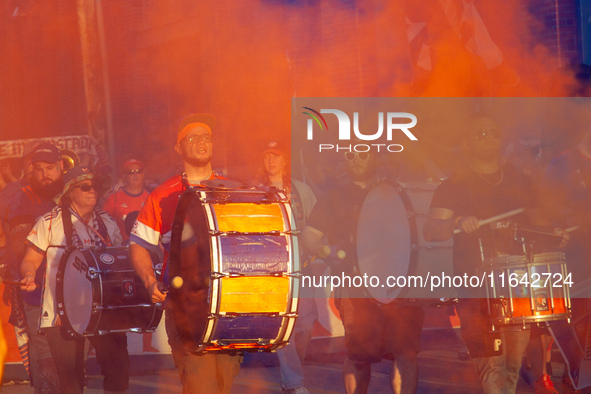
{"type": "Point", "coordinates": [11, 282]}
{"type": "Point", "coordinates": [176, 282]}
{"type": "Point", "coordinates": [325, 251]}
{"type": "Point", "coordinates": [495, 218]}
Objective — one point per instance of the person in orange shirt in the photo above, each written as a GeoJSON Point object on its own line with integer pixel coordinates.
{"type": "Point", "coordinates": [129, 198]}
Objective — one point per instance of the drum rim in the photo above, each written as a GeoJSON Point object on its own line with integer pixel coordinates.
{"type": "Point", "coordinates": [59, 295]}
{"type": "Point", "coordinates": [515, 261]}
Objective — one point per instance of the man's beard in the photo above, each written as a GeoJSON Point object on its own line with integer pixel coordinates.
{"type": "Point", "coordinates": [48, 192]}
{"type": "Point", "coordinates": [195, 162]}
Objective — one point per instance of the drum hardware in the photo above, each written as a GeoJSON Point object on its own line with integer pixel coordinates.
{"type": "Point", "coordinates": [92, 273]}
{"type": "Point", "coordinates": [289, 275]}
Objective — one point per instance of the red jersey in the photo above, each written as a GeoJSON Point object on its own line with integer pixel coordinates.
{"type": "Point", "coordinates": [121, 203]}
{"type": "Point", "coordinates": [154, 223]}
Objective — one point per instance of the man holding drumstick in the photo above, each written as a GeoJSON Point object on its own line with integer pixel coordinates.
{"type": "Point", "coordinates": [485, 189]}
{"type": "Point", "coordinates": [205, 372]}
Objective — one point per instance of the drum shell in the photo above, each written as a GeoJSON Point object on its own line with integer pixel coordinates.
{"type": "Point", "coordinates": [239, 291]}
{"type": "Point", "coordinates": [527, 303]}
{"type": "Point", "coordinates": [112, 295]}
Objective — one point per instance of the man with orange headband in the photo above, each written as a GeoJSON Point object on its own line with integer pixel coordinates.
{"type": "Point", "coordinates": [205, 372]}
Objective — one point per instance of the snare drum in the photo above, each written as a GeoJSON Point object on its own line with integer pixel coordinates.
{"type": "Point", "coordinates": [234, 250]}
{"type": "Point", "coordinates": [98, 293]}
{"type": "Point", "coordinates": [527, 291]}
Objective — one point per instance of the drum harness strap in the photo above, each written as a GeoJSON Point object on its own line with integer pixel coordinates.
{"type": "Point", "coordinates": [69, 228]}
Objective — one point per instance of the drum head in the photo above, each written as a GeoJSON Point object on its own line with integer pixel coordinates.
{"type": "Point", "coordinates": [190, 259]}
{"type": "Point", "coordinates": [384, 239]}
{"type": "Point", "coordinates": [74, 291]}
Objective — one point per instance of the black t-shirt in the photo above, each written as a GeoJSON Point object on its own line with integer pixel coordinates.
{"type": "Point", "coordinates": [336, 214]}
{"type": "Point", "coordinates": [470, 194]}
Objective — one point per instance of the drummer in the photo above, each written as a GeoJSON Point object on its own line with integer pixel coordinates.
{"type": "Point", "coordinates": [372, 331]}
{"type": "Point", "coordinates": [77, 222]}
{"type": "Point", "coordinates": [209, 372]}
{"type": "Point", "coordinates": [484, 189]}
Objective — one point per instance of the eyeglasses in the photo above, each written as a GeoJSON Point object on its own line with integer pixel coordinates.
{"type": "Point", "coordinates": [136, 171]}
{"type": "Point", "coordinates": [486, 133]}
{"type": "Point", "coordinates": [85, 187]}
{"type": "Point", "coordinates": [350, 156]}
{"type": "Point", "coordinates": [193, 139]}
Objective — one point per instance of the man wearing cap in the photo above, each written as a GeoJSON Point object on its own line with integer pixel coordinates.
{"type": "Point", "coordinates": [275, 172]}
{"type": "Point", "coordinates": [210, 372]}
{"type": "Point", "coordinates": [74, 222]}
{"type": "Point", "coordinates": [31, 201]}
{"type": "Point", "coordinates": [131, 197]}
{"type": "Point", "coordinates": [483, 189]}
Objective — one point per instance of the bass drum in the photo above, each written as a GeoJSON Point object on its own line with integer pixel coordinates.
{"type": "Point", "coordinates": [233, 249]}
{"type": "Point", "coordinates": [98, 293]}
{"type": "Point", "coordinates": [390, 245]}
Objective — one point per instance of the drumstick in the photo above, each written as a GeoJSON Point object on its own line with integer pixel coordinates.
{"type": "Point", "coordinates": [571, 229]}
{"type": "Point", "coordinates": [495, 218]}
{"type": "Point", "coordinates": [10, 282]}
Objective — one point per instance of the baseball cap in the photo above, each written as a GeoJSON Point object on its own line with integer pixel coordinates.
{"type": "Point", "coordinates": [206, 120]}
{"type": "Point", "coordinates": [275, 148]}
{"type": "Point", "coordinates": [46, 152]}
{"type": "Point", "coordinates": [127, 165]}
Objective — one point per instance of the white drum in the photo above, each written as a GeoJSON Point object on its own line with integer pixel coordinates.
{"type": "Point", "coordinates": [390, 242]}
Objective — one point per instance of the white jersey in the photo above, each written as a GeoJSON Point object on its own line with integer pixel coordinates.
{"type": "Point", "coordinates": [48, 236]}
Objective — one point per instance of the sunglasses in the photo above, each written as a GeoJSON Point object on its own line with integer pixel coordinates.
{"type": "Point", "coordinates": [136, 171]}
{"type": "Point", "coordinates": [193, 139]}
{"type": "Point", "coordinates": [486, 133]}
{"type": "Point", "coordinates": [86, 187]}
{"type": "Point", "coordinates": [350, 156]}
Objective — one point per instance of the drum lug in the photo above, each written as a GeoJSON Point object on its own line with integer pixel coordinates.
{"type": "Point", "coordinates": [92, 273]}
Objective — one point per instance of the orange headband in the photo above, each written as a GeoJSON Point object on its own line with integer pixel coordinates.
{"type": "Point", "coordinates": [185, 130]}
